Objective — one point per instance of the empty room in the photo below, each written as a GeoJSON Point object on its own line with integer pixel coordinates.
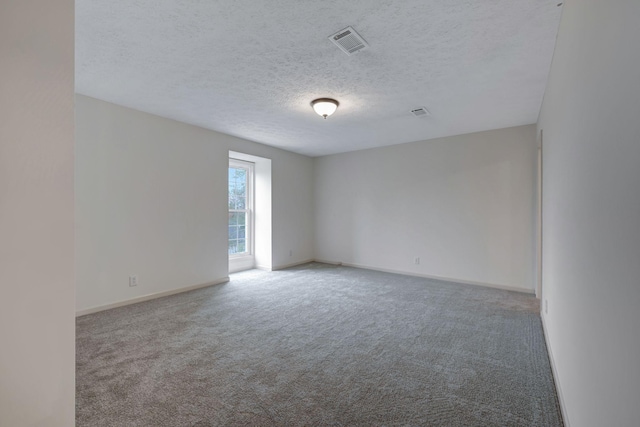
{"type": "Point", "coordinates": [320, 213]}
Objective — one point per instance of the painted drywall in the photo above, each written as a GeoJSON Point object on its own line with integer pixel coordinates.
{"type": "Point", "coordinates": [463, 205]}
{"type": "Point", "coordinates": [263, 220]}
{"type": "Point", "coordinates": [591, 212]}
{"type": "Point", "coordinates": [151, 201]}
{"type": "Point", "coordinates": [37, 328]}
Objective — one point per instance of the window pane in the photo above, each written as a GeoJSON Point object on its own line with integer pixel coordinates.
{"type": "Point", "coordinates": [239, 187]}
{"type": "Point", "coordinates": [233, 232]}
{"type": "Point", "coordinates": [240, 174]}
{"type": "Point", "coordinates": [237, 178]}
{"type": "Point", "coordinates": [241, 203]}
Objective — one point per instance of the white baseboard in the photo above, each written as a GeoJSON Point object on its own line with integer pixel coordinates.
{"type": "Point", "coordinates": [148, 297]}
{"type": "Point", "coordinates": [324, 261]}
{"type": "Point", "coordinates": [554, 370]}
{"type": "Point", "coordinates": [429, 276]}
{"type": "Point", "coordinates": [281, 267]}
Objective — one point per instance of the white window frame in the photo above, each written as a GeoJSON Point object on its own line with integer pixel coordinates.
{"type": "Point", "coordinates": [244, 260]}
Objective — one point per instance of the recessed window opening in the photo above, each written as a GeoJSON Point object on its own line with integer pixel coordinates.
{"type": "Point", "coordinates": [240, 208]}
{"type": "Point", "coordinates": [249, 197]}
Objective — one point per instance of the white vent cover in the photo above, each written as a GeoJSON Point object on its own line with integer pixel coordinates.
{"type": "Point", "coordinates": [420, 112]}
{"type": "Point", "coordinates": [348, 41]}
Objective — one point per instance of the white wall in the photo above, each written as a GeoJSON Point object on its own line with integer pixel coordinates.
{"type": "Point", "coordinates": [591, 203]}
{"type": "Point", "coordinates": [263, 218]}
{"type": "Point", "coordinates": [37, 328]}
{"type": "Point", "coordinates": [463, 204]}
{"type": "Point", "coordinates": [151, 200]}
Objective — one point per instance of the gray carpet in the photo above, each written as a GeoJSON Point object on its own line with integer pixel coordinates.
{"type": "Point", "coordinates": [318, 345]}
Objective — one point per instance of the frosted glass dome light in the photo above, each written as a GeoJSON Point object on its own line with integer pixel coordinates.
{"type": "Point", "coordinates": [325, 106]}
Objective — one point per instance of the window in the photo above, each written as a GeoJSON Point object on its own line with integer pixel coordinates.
{"type": "Point", "coordinates": [255, 222]}
{"type": "Point", "coordinates": [240, 208]}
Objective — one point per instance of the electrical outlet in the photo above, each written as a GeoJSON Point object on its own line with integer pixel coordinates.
{"type": "Point", "coordinates": [546, 306]}
{"type": "Point", "coordinates": [416, 261]}
{"type": "Point", "coordinates": [290, 252]}
{"type": "Point", "coordinates": [133, 281]}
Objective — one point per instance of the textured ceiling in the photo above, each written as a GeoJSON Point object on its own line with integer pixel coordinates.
{"type": "Point", "coordinates": [250, 68]}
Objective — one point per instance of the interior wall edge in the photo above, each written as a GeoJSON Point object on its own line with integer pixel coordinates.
{"type": "Point", "coordinates": [37, 251]}
{"type": "Point", "coordinates": [554, 372]}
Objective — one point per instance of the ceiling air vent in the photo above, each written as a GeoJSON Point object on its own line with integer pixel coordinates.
{"type": "Point", "coordinates": [348, 41]}
{"type": "Point", "coordinates": [420, 112]}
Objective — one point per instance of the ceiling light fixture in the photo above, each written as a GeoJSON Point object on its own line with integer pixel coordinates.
{"type": "Point", "coordinates": [325, 106]}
